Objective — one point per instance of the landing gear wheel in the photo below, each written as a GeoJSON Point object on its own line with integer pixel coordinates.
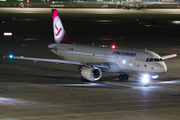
{"type": "Point", "coordinates": [126, 77]}
{"type": "Point", "coordinates": [121, 77]}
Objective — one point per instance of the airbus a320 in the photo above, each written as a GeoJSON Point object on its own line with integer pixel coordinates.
{"type": "Point", "coordinates": [91, 61]}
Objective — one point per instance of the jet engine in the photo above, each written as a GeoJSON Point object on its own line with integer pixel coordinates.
{"type": "Point", "coordinates": [91, 73]}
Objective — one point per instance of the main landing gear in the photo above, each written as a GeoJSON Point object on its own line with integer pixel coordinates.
{"type": "Point", "coordinates": [124, 77]}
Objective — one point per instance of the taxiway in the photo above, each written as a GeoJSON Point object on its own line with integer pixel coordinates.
{"type": "Point", "coordinates": [43, 91]}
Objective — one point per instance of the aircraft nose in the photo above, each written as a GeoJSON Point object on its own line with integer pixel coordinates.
{"type": "Point", "coordinates": [163, 67]}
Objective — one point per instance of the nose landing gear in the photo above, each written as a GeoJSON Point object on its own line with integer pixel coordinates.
{"type": "Point", "coordinates": [124, 77]}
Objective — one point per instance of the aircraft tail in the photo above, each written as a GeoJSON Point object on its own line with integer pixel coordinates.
{"type": "Point", "coordinates": [58, 29]}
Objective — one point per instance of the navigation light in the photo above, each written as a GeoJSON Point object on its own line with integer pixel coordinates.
{"type": "Point", "coordinates": [10, 56]}
{"type": "Point", "coordinates": [113, 46]}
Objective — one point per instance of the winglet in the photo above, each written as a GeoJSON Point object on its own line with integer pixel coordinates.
{"type": "Point", "coordinates": [173, 53]}
{"type": "Point", "coordinates": [169, 56]}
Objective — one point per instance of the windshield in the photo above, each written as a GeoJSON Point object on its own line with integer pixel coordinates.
{"type": "Point", "coordinates": [154, 60]}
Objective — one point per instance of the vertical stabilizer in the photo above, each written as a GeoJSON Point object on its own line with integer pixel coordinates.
{"type": "Point", "coordinates": [58, 29]}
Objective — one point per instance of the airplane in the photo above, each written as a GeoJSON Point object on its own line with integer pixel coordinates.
{"type": "Point", "coordinates": [136, 4]}
{"type": "Point", "coordinates": [91, 61]}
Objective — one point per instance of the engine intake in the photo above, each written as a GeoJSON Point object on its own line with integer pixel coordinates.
{"type": "Point", "coordinates": [91, 73]}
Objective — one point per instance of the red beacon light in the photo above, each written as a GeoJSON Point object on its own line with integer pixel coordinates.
{"type": "Point", "coordinates": [113, 46]}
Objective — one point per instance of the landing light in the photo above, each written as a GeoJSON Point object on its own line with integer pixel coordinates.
{"type": "Point", "coordinates": [123, 61]}
{"type": "Point", "coordinates": [145, 78]}
{"type": "Point", "coordinates": [113, 46]}
{"type": "Point", "coordinates": [154, 77]}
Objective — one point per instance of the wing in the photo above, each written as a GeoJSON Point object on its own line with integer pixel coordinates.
{"type": "Point", "coordinates": [100, 65]}
{"type": "Point", "coordinates": [169, 56]}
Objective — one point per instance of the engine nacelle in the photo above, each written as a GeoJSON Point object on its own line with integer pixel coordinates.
{"type": "Point", "coordinates": [91, 73]}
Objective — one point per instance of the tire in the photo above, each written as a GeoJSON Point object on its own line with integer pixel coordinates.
{"type": "Point", "coordinates": [126, 77]}
{"type": "Point", "coordinates": [121, 77]}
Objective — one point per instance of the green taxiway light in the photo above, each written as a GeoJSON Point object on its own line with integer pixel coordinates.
{"type": "Point", "coordinates": [149, 25]}
{"type": "Point", "coordinates": [154, 26]}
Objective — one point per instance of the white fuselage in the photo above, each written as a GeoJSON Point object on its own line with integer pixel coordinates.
{"type": "Point", "coordinates": [130, 61]}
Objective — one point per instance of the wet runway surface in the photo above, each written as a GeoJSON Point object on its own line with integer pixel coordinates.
{"type": "Point", "coordinates": [42, 91]}
{"type": "Point", "coordinates": [48, 91]}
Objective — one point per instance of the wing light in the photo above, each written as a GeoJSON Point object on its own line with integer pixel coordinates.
{"type": "Point", "coordinates": [10, 56]}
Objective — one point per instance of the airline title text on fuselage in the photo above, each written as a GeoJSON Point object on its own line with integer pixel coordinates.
{"type": "Point", "coordinates": [124, 53]}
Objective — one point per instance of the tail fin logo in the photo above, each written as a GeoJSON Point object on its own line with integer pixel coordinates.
{"type": "Point", "coordinates": [59, 30]}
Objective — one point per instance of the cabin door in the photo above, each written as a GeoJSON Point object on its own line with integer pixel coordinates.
{"type": "Point", "coordinates": [137, 62]}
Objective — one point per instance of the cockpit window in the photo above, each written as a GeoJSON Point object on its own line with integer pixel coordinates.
{"type": "Point", "coordinates": [154, 59]}
{"type": "Point", "coordinates": [147, 59]}
{"type": "Point", "coordinates": [151, 59]}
